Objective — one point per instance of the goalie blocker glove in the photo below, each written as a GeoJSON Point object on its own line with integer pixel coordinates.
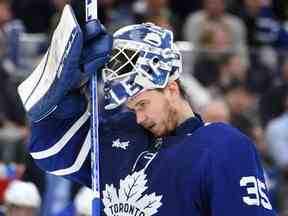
{"type": "Point", "coordinates": [48, 89]}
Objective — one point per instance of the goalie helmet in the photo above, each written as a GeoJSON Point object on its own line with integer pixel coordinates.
{"type": "Point", "coordinates": [143, 57]}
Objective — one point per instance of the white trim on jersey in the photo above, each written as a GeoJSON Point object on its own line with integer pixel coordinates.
{"type": "Point", "coordinates": [56, 148]}
{"type": "Point", "coordinates": [79, 160]}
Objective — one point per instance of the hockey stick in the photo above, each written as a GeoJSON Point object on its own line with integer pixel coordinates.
{"type": "Point", "coordinates": [91, 14]}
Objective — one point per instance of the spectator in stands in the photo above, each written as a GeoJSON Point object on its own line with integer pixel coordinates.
{"type": "Point", "coordinates": [266, 35]}
{"type": "Point", "coordinates": [157, 12]}
{"type": "Point", "coordinates": [83, 202]}
{"type": "Point", "coordinates": [243, 108]}
{"type": "Point", "coordinates": [272, 100]}
{"type": "Point", "coordinates": [269, 29]}
{"type": "Point", "coordinates": [259, 77]}
{"type": "Point", "coordinates": [215, 37]}
{"type": "Point", "coordinates": [214, 13]}
{"type": "Point", "coordinates": [232, 71]}
{"type": "Point", "coordinates": [115, 14]}
{"type": "Point", "coordinates": [217, 64]}
{"type": "Point", "coordinates": [248, 11]}
{"type": "Point", "coordinates": [207, 71]}
{"type": "Point", "coordinates": [10, 29]}
{"type": "Point", "coordinates": [277, 141]}
{"type": "Point", "coordinates": [181, 11]}
{"type": "Point", "coordinates": [277, 138]}
{"type": "Point", "coordinates": [12, 122]}
{"type": "Point", "coordinates": [240, 99]}
{"type": "Point", "coordinates": [21, 199]}
{"type": "Point", "coordinates": [35, 14]}
{"type": "Point", "coordinates": [216, 111]}
{"type": "Point", "coordinates": [212, 50]}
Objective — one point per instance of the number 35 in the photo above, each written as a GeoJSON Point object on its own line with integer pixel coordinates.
{"type": "Point", "coordinates": [256, 192]}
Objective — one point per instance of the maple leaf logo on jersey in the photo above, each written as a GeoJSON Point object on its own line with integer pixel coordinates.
{"type": "Point", "coordinates": [130, 199]}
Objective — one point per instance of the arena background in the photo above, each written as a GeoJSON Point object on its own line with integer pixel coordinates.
{"type": "Point", "coordinates": [235, 70]}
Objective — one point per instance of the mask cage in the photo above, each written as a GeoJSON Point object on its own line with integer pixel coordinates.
{"type": "Point", "coordinates": [121, 64]}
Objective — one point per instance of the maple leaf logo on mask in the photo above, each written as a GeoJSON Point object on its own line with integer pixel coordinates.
{"type": "Point", "coordinates": [130, 200]}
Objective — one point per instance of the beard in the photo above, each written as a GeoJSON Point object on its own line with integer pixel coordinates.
{"type": "Point", "coordinates": [172, 120]}
{"type": "Point", "coordinates": [166, 125]}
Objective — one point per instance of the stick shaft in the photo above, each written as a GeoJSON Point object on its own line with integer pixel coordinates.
{"type": "Point", "coordinates": [91, 10]}
{"type": "Point", "coordinates": [91, 14]}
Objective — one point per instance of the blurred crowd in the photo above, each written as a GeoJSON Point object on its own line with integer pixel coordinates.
{"type": "Point", "coordinates": [235, 55]}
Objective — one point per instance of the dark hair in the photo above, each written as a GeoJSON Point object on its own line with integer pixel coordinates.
{"type": "Point", "coordinates": [183, 91]}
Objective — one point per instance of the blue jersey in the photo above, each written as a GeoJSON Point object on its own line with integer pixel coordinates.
{"type": "Point", "coordinates": [199, 170]}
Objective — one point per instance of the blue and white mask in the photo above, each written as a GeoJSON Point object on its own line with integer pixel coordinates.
{"type": "Point", "coordinates": [143, 57]}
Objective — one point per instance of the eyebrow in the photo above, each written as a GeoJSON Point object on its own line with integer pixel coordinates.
{"type": "Point", "coordinates": [136, 105]}
{"type": "Point", "coordinates": [144, 100]}
{"type": "Point", "coordinates": [127, 106]}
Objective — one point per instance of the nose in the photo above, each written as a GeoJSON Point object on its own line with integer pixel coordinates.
{"type": "Point", "coordinates": [140, 117]}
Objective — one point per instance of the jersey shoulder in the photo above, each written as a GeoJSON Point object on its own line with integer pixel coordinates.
{"type": "Point", "coordinates": [223, 137]}
{"type": "Point", "coordinates": [221, 143]}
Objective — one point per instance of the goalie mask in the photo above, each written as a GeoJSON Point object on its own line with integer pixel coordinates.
{"type": "Point", "coordinates": [143, 57]}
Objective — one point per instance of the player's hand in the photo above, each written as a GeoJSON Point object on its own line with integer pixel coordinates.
{"type": "Point", "coordinates": [97, 47]}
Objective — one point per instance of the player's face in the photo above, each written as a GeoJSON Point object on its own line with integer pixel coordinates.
{"type": "Point", "coordinates": [154, 111]}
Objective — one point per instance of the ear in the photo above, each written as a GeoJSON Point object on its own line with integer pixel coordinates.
{"type": "Point", "coordinates": [172, 89]}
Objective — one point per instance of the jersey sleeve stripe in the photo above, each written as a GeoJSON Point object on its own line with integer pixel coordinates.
{"type": "Point", "coordinates": [79, 160]}
{"type": "Point", "coordinates": [56, 148]}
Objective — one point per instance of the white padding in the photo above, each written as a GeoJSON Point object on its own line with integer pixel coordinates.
{"type": "Point", "coordinates": [41, 79]}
